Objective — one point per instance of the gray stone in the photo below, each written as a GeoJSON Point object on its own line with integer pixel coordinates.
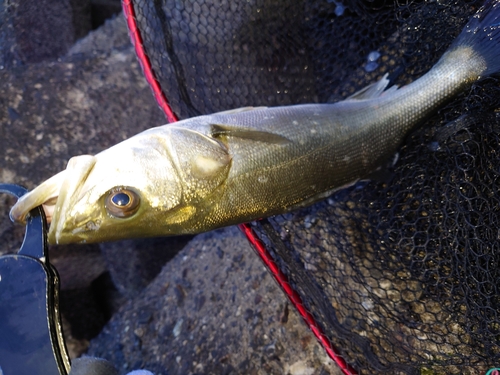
{"type": "Point", "coordinates": [53, 110]}
{"type": "Point", "coordinates": [213, 309]}
{"type": "Point", "coordinates": [32, 31]}
{"type": "Point", "coordinates": [92, 366]}
{"type": "Point", "coordinates": [133, 264]}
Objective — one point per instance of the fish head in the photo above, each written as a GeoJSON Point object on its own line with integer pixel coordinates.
{"type": "Point", "coordinates": [141, 187]}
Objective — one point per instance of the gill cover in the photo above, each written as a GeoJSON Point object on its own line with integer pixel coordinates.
{"type": "Point", "coordinates": [202, 162]}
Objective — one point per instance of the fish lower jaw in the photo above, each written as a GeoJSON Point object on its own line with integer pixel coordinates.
{"type": "Point", "coordinates": [60, 235]}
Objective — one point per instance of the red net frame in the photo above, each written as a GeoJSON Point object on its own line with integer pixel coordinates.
{"type": "Point", "coordinates": [278, 275]}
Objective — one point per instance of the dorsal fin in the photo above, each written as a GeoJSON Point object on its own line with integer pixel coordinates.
{"type": "Point", "coordinates": [237, 110]}
{"type": "Point", "coordinates": [373, 90]}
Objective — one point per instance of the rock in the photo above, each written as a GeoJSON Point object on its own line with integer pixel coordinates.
{"type": "Point", "coordinates": [213, 309]}
{"type": "Point", "coordinates": [91, 366]}
{"type": "Point", "coordinates": [101, 10]}
{"type": "Point", "coordinates": [112, 35]}
{"type": "Point", "coordinates": [32, 31]}
{"type": "Point", "coordinates": [82, 104]}
{"type": "Point", "coordinates": [133, 264]}
{"type": "Point", "coordinates": [52, 110]}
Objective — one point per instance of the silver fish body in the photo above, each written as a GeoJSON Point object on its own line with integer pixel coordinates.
{"type": "Point", "coordinates": [236, 166]}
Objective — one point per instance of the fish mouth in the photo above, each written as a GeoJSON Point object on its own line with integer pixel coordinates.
{"type": "Point", "coordinates": [44, 194]}
{"type": "Point", "coordinates": [57, 196]}
{"type": "Point", "coordinates": [77, 172]}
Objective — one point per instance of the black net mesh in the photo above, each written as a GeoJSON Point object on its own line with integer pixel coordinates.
{"type": "Point", "coordinates": [400, 274]}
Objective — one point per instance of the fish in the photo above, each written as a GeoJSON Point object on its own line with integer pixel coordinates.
{"type": "Point", "coordinates": [241, 165]}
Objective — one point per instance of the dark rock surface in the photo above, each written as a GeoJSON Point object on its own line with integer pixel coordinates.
{"type": "Point", "coordinates": [36, 30]}
{"type": "Point", "coordinates": [90, 99]}
{"type": "Point", "coordinates": [83, 103]}
{"type": "Point", "coordinates": [133, 264]}
{"type": "Point", "coordinates": [213, 308]}
{"type": "Point", "coordinates": [32, 31]}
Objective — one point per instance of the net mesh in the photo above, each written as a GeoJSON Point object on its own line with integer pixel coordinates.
{"type": "Point", "coordinates": [400, 274]}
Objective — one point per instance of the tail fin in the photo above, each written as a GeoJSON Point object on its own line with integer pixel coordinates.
{"type": "Point", "coordinates": [482, 34]}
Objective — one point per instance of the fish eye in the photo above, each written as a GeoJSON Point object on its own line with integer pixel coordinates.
{"type": "Point", "coordinates": [122, 202]}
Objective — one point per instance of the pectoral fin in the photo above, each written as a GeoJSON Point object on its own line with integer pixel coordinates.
{"type": "Point", "coordinates": [180, 215]}
{"type": "Point", "coordinates": [219, 130]}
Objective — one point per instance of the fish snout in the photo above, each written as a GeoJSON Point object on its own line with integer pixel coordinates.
{"type": "Point", "coordinates": [44, 194]}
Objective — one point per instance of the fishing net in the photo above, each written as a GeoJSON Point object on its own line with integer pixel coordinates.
{"type": "Point", "coordinates": [397, 275]}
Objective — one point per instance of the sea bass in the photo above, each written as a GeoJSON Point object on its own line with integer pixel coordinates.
{"type": "Point", "coordinates": [236, 166]}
